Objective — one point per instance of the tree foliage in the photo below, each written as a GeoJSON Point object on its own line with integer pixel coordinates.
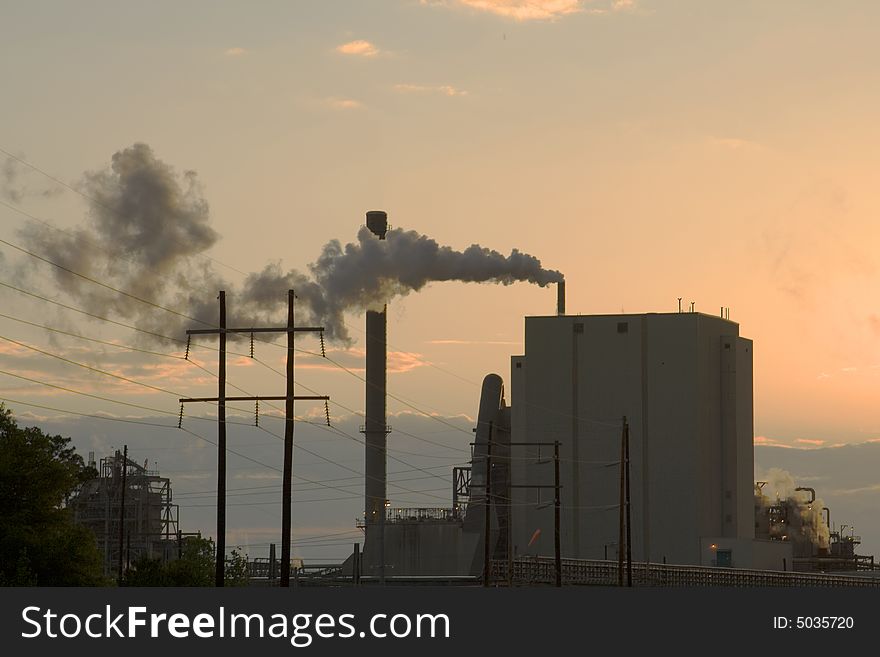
{"type": "Point", "coordinates": [195, 567]}
{"type": "Point", "coordinates": [39, 542]}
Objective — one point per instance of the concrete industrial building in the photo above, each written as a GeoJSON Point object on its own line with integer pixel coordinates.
{"type": "Point", "coordinates": [683, 381]}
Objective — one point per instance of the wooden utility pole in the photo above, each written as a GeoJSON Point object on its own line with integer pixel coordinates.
{"type": "Point", "coordinates": [621, 505]}
{"type": "Point", "coordinates": [122, 512]}
{"type": "Point", "coordinates": [288, 398]}
{"type": "Point", "coordinates": [557, 503]}
{"type": "Point", "coordinates": [220, 560]}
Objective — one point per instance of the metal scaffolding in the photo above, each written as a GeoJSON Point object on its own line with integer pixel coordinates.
{"type": "Point", "coordinates": [129, 497]}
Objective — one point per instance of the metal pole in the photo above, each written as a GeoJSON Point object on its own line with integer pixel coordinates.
{"type": "Point", "coordinates": [356, 565]}
{"type": "Point", "coordinates": [219, 576]}
{"type": "Point", "coordinates": [622, 535]}
{"type": "Point", "coordinates": [272, 560]}
{"type": "Point", "coordinates": [287, 476]}
{"type": "Point", "coordinates": [629, 565]}
{"type": "Point", "coordinates": [557, 505]}
{"type": "Point", "coordinates": [122, 513]}
{"type": "Point", "coordinates": [488, 521]}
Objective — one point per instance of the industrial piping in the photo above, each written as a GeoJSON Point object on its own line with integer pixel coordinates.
{"type": "Point", "coordinates": [560, 298]}
{"type": "Point", "coordinates": [811, 491]}
{"type": "Point", "coordinates": [375, 430]}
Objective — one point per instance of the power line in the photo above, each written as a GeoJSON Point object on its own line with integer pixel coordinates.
{"type": "Point", "coordinates": [99, 283]}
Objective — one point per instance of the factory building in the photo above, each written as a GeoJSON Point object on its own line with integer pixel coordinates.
{"type": "Point", "coordinates": [682, 382]}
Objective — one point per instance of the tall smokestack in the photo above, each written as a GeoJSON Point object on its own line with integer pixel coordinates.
{"type": "Point", "coordinates": [375, 429]}
{"type": "Point", "coordinates": [560, 298]}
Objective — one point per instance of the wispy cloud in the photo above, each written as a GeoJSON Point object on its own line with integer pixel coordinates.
{"type": "Point", "coordinates": [353, 360]}
{"type": "Point", "coordinates": [343, 103]}
{"type": "Point", "coordinates": [473, 342]}
{"type": "Point", "coordinates": [359, 47]}
{"type": "Point", "coordinates": [443, 89]}
{"type": "Point", "coordinates": [236, 52]}
{"type": "Point", "coordinates": [769, 442]}
{"type": "Point", "coordinates": [814, 442]}
{"type": "Point", "coordinates": [525, 10]}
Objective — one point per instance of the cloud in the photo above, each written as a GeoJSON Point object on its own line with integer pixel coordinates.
{"type": "Point", "coordinates": [474, 342]}
{"type": "Point", "coordinates": [810, 441]}
{"type": "Point", "coordinates": [444, 89]}
{"type": "Point", "coordinates": [359, 47]}
{"type": "Point", "coordinates": [524, 10]}
{"type": "Point", "coordinates": [353, 359]}
{"type": "Point", "coordinates": [769, 442]}
{"type": "Point", "coordinates": [236, 52]}
{"type": "Point", "coordinates": [344, 103]}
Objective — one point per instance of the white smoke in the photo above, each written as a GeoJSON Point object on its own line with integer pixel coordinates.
{"type": "Point", "coordinates": [804, 519]}
{"type": "Point", "coordinates": [148, 224]}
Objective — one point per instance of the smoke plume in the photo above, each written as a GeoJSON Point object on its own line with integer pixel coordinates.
{"type": "Point", "coordinates": [15, 186]}
{"type": "Point", "coordinates": [145, 224]}
{"type": "Point", "coordinates": [371, 272]}
{"type": "Point", "coordinates": [148, 225]}
{"type": "Point", "coordinates": [804, 522]}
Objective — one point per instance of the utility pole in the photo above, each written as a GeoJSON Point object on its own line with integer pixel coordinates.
{"type": "Point", "coordinates": [288, 398]}
{"type": "Point", "coordinates": [488, 527]}
{"type": "Point", "coordinates": [356, 566]}
{"type": "Point", "coordinates": [621, 505]}
{"type": "Point", "coordinates": [629, 566]}
{"type": "Point", "coordinates": [557, 500]}
{"type": "Point", "coordinates": [122, 511]}
{"type": "Point", "coordinates": [220, 557]}
{"type": "Point", "coordinates": [556, 508]}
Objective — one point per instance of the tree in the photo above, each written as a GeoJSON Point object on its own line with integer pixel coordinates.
{"type": "Point", "coordinates": [39, 542]}
{"type": "Point", "coordinates": [237, 569]}
{"type": "Point", "coordinates": [195, 567]}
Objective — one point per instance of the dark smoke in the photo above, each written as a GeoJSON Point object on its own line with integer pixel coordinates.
{"type": "Point", "coordinates": [145, 224]}
{"type": "Point", "coordinates": [156, 221]}
{"type": "Point", "coordinates": [14, 186]}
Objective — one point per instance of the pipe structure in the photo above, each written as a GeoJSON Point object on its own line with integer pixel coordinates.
{"type": "Point", "coordinates": [560, 298]}
{"type": "Point", "coordinates": [811, 491]}
{"type": "Point", "coordinates": [375, 430]}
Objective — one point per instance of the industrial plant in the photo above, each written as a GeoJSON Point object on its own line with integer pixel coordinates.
{"type": "Point", "coordinates": [618, 449]}
{"type": "Point", "coordinates": [624, 438]}
{"type": "Point", "coordinates": [129, 508]}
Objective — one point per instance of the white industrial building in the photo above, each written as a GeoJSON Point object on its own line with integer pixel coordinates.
{"type": "Point", "coordinates": [683, 381]}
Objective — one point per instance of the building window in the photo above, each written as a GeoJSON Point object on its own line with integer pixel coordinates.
{"type": "Point", "coordinates": [623, 327]}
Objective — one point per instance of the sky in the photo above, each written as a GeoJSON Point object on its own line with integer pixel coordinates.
{"type": "Point", "coordinates": [725, 153]}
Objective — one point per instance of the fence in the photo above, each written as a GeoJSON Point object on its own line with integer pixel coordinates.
{"type": "Point", "coordinates": [532, 571]}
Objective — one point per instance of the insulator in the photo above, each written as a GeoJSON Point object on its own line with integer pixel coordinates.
{"type": "Point", "coordinates": [323, 353]}
{"type": "Point", "coordinates": [252, 345]}
{"type": "Point", "coordinates": [327, 412]}
{"type": "Point", "coordinates": [180, 418]}
{"type": "Point", "coordinates": [257, 413]}
{"type": "Point", "coordinates": [186, 355]}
